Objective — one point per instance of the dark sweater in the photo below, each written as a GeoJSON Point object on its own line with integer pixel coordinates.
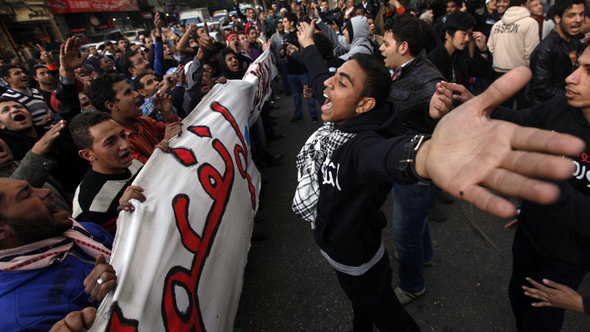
{"type": "Point", "coordinates": [356, 182]}
{"type": "Point", "coordinates": [97, 197]}
{"type": "Point", "coordinates": [560, 232]}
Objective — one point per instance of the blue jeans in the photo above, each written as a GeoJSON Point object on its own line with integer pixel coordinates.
{"type": "Point", "coordinates": [284, 77]}
{"type": "Point", "coordinates": [411, 235]}
{"type": "Point", "coordinates": [296, 82]}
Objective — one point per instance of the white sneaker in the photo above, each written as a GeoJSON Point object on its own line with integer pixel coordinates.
{"type": "Point", "coordinates": [407, 297]}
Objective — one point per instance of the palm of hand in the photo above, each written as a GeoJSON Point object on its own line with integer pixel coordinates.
{"type": "Point", "coordinates": [469, 153]}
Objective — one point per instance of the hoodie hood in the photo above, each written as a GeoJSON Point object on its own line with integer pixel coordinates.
{"type": "Point", "coordinates": [358, 29]}
{"type": "Point", "coordinates": [514, 14]}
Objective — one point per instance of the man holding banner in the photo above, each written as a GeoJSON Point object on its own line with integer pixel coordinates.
{"type": "Point", "coordinates": [189, 280]}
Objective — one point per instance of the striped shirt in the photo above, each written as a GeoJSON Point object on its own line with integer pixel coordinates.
{"type": "Point", "coordinates": [32, 100]}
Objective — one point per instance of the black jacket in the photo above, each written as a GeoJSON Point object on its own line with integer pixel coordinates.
{"type": "Point", "coordinates": [559, 232]}
{"type": "Point", "coordinates": [410, 95]}
{"type": "Point", "coordinates": [551, 64]}
{"type": "Point", "coordinates": [356, 182]}
{"type": "Point", "coordinates": [460, 66]}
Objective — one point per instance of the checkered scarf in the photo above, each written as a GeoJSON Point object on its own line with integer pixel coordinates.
{"type": "Point", "coordinates": [317, 150]}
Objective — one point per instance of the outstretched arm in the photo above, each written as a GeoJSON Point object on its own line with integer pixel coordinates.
{"type": "Point", "coordinates": [469, 153]}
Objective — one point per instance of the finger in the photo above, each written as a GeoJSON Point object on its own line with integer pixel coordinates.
{"type": "Point", "coordinates": [486, 201]}
{"type": "Point", "coordinates": [88, 316]}
{"type": "Point", "coordinates": [100, 260]}
{"type": "Point", "coordinates": [545, 141]}
{"type": "Point", "coordinates": [541, 304]}
{"type": "Point", "coordinates": [537, 284]}
{"type": "Point", "coordinates": [515, 185]}
{"type": "Point", "coordinates": [502, 89]}
{"type": "Point", "coordinates": [126, 206]}
{"type": "Point", "coordinates": [533, 295]}
{"type": "Point", "coordinates": [538, 165]}
{"type": "Point", "coordinates": [555, 285]}
{"type": "Point", "coordinates": [106, 288]}
{"type": "Point", "coordinates": [138, 196]}
{"type": "Point", "coordinates": [73, 321]}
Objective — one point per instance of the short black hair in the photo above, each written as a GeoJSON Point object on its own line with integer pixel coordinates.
{"type": "Point", "coordinates": [562, 5]}
{"type": "Point", "coordinates": [80, 128]}
{"type": "Point", "coordinates": [407, 28]}
{"type": "Point", "coordinates": [378, 79]}
{"type": "Point", "coordinates": [516, 3]}
{"type": "Point", "coordinates": [101, 90]}
{"type": "Point", "coordinates": [457, 21]}
{"type": "Point", "coordinates": [137, 80]}
{"type": "Point", "coordinates": [125, 62]}
{"type": "Point", "coordinates": [5, 70]}
{"type": "Point", "coordinates": [37, 67]}
{"type": "Point", "coordinates": [250, 28]}
{"type": "Point", "coordinates": [291, 17]}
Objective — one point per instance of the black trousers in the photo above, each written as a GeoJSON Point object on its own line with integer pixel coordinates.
{"type": "Point", "coordinates": [374, 302]}
{"type": "Point", "coordinates": [527, 263]}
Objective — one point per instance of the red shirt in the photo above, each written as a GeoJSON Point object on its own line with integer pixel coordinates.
{"type": "Point", "coordinates": [146, 134]}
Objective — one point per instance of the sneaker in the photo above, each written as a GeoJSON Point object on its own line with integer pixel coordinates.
{"type": "Point", "coordinates": [407, 297]}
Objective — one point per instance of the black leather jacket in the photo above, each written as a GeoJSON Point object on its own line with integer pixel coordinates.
{"type": "Point", "coordinates": [410, 94]}
{"type": "Point", "coordinates": [551, 64]}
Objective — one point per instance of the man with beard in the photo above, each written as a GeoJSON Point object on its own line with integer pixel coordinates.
{"type": "Point", "coordinates": [46, 268]}
{"type": "Point", "coordinates": [45, 83]}
{"type": "Point", "coordinates": [556, 57]}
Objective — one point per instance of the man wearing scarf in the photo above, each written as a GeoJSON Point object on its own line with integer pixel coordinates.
{"type": "Point", "coordinates": [347, 167]}
{"type": "Point", "coordinates": [50, 264]}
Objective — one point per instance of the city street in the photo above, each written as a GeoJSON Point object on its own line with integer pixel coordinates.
{"type": "Point", "coordinates": [292, 288]}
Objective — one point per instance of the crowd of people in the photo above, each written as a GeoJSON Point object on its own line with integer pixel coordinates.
{"type": "Point", "coordinates": [401, 88]}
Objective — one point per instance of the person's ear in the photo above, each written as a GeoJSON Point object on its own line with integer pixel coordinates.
{"type": "Point", "coordinates": [87, 154]}
{"type": "Point", "coordinates": [557, 19]}
{"type": "Point", "coordinates": [2, 125]}
{"type": "Point", "coordinates": [404, 48]}
{"type": "Point", "coordinates": [111, 106]}
{"type": "Point", "coordinates": [365, 104]}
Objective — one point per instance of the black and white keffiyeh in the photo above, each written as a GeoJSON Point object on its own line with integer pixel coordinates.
{"type": "Point", "coordinates": [317, 150]}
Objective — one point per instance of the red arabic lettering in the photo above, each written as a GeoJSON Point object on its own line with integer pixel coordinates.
{"type": "Point", "coordinates": [218, 187]}
{"type": "Point", "coordinates": [240, 151]}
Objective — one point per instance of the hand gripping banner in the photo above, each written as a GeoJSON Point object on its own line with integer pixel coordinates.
{"type": "Point", "coordinates": [180, 256]}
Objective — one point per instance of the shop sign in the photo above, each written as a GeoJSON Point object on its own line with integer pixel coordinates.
{"type": "Point", "coordinates": [30, 14]}
{"type": "Point", "coordinates": [80, 6]}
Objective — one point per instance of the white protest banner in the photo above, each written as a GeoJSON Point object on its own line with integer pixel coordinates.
{"type": "Point", "coordinates": [180, 256]}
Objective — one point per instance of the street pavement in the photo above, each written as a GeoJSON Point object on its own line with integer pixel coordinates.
{"type": "Point", "coordinates": [292, 288]}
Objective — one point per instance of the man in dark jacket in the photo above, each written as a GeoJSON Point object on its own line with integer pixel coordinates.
{"type": "Point", "coordinates": [346, 169]}
{"type": "Point", "coordinates": [414, 82]}
{"type": "Point", "coordinates": [556, 56]}
{"type": "Point", "coordinates": [456, 59]}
